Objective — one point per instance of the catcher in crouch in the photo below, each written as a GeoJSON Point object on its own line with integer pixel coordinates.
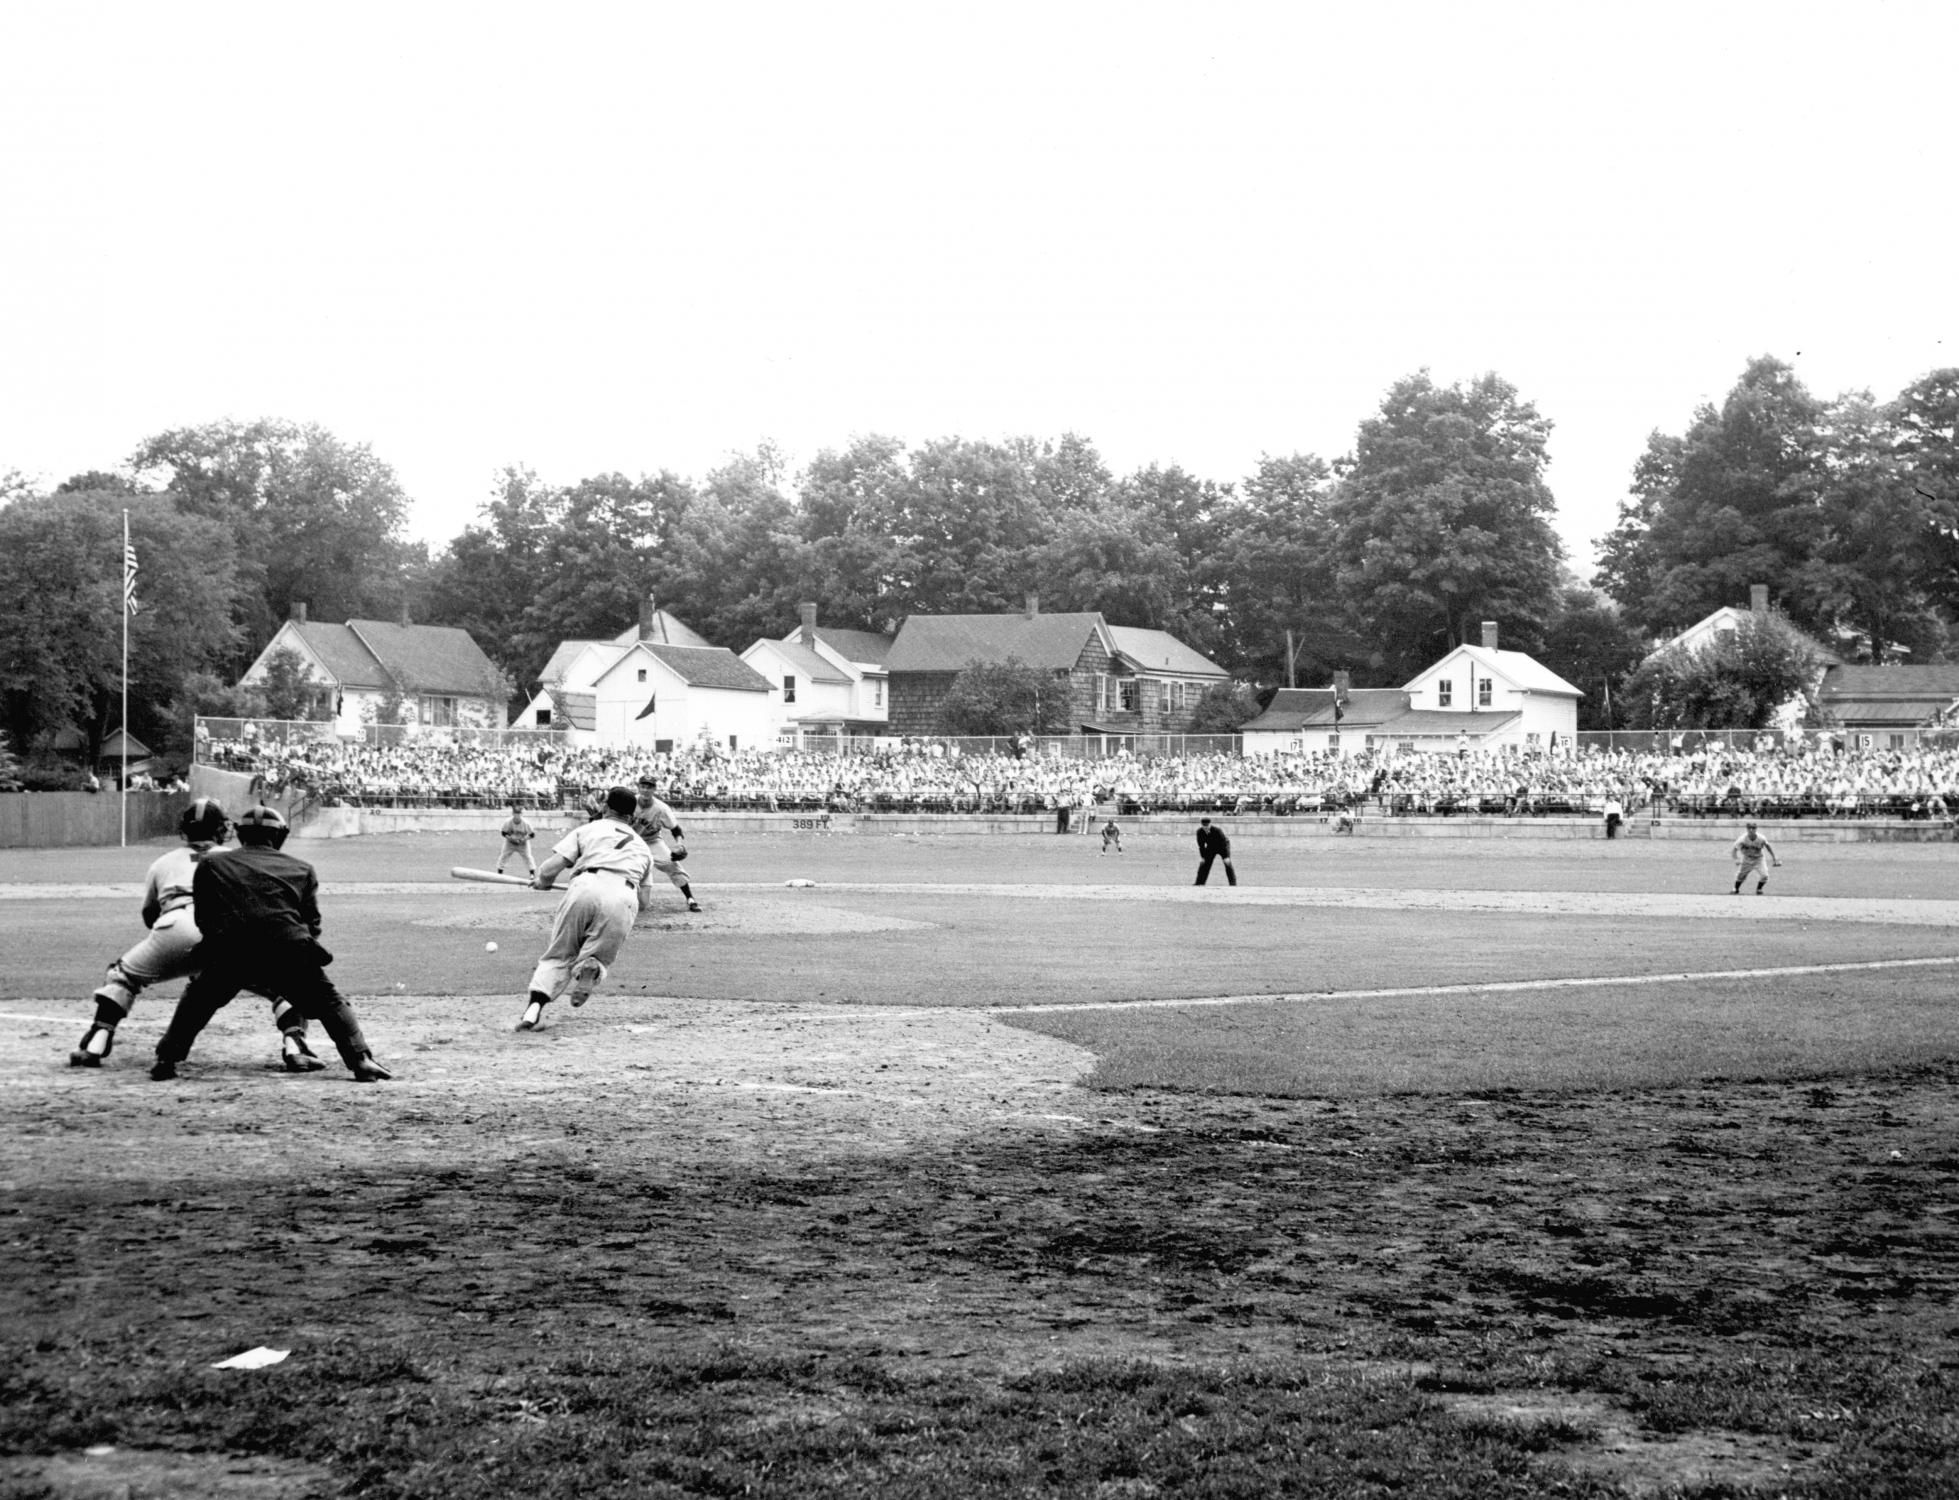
{"type": "Point", "coordinates": [609, 864]}
{"type": "Point", "coordinates": [170, 949]}
{"type": "Point", "coordinates": [655, 823]}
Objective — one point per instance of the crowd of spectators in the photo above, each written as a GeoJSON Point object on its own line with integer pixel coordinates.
{"type": "Point", "coordinates": [1783, 781]}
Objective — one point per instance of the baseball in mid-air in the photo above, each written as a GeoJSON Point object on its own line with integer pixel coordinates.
{"type": "Point", "coordinates": [489, 947]}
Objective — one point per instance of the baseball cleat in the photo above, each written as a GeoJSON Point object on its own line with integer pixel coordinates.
{"type": "Point", "coordinates": [533, 1016]}
{"type": "Point", "coordinates": [367, 1070]}
{"type": "Point", "coordinates": [584, 979]}
{"type": "Point", "coordinates": [693, 906]}
{"type": "Point", "coordinates": [163, 1071]}
{"type": "Point", "coordinates": [296, 1057]}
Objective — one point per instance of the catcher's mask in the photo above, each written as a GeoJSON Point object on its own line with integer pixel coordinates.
{"type": "Point", "coordinates": [203, 822]}
{"type": "Point", "coordinates": [262, 826]}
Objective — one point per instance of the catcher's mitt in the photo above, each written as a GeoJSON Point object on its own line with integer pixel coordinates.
{"type": "Point", "coordinates": [679, 853]}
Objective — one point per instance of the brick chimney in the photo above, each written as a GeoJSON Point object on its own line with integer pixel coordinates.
{"type": "Point", "coordinates": [647, 612]}
{"type": "Point", "coordinates": [1033, 605]}
{"type": "Point", "coordinates": [809, 624]}
{"type": "Point", "coordinates": [1343, 683]}
{"type": "Point", "coordinates": [1758, 598]}
{"type": "Point", "coordinates": [298, 613]}
{"type": "Point", "coordinates": [406, 619]}
{"type": "Point", "coordinates": [1489, 635]}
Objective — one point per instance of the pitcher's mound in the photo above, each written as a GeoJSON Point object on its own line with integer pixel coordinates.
{"type": "Point", "coordinates": [725, 914]}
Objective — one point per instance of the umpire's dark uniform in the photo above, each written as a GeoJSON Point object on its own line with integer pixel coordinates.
{"type": "Point", "coordinates": [259, 911]}
{"type": "Point", "coordinates": [1213, 843]}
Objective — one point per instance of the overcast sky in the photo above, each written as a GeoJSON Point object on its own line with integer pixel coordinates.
{"type": "Point", "coordinates": [639, 237]}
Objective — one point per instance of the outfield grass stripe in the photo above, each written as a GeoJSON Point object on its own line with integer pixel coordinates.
{"type": "Point", "coordinates": [1501, 986]}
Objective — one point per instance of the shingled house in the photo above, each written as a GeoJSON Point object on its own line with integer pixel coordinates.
{"type": "Point", "coordinates": [657, 685]}
{"type": "Point", "coordinates": [1119, 680]}
{"type": "Point", "coordinates": [1890, 707]}
{"type": "Point", "coordinates": [825, 683]}
{"type": "Point", "coordinates": [438, 672]}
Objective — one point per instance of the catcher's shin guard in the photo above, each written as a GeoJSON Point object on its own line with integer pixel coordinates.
{"type": "Point", "coordinates": [96, 1045]}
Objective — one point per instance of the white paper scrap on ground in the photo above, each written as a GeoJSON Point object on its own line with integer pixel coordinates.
{"type": "Point", "coordinates": [799, 883]}
{"type": "Point", "coordinates": [252, 1359]}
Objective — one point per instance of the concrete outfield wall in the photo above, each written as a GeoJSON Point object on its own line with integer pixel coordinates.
{"type": "Point", "coordinates": [349, 822]}
{"type": "Point", "coordinates": [74, 820]}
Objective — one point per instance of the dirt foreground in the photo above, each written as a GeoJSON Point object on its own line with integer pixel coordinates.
{"type": "Point", "coordinates": [935, 1186]}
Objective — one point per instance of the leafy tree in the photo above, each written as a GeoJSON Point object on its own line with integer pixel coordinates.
{"type": "Point", "coordinates": [738, 552]}
{"type": "Point", "coordinates": [1442, 519]}
{"type": "Point", "coordinates": [1736, 681]}
{"type": "Point", "coordinates": [852, 558]}
{"type": "Point", "coordinates": [1278, 551]}
{"type": "Point", "coordinates": [290, 691]}
{"type": "Point", "coordinates": [1730, 504]}
{"type": "Point", "coordinates": [9, 766]}
{"type": "Point", "coordinates": [1001, 698]}
{"type": "Point", "coordinates": [1588, 642]}
{"type": "Point", "coordinates": [1183, 513]}
{"type": "Point", "coordinates": [61, 615]}
{"type": "Point", "coordinates": [1224, 709]}
{"type": "Point", "coordinates": [1113, 558]}
{"type": "Point", "coordinates": [318, 520]}
{"type": "Point", "coordinates": [610, 544]}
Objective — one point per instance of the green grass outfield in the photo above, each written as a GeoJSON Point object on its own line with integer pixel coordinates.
{"type": "Point", "coordinates": [1334, 967]}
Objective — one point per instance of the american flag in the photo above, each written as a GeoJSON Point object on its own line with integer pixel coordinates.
{"type": "Point", "coordinates": [129, 577]}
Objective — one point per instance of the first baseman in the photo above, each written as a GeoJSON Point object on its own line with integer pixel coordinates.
{"type": "Point", "coordinates": [609, 863]}
{"type": "Point", "coordinates": [171, 949]}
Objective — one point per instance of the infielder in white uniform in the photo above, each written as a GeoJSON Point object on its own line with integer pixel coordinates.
{"type": "Point", "coordinates": [609, 863]}
{"type": "Point", "coordinates": [1749, 851]}
{"type": "Point", "coordinates": [656, 824]}
{"type": "Point", "coordinates": [170, 949]}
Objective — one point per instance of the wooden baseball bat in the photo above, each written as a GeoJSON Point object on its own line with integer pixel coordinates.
{"type": "Point", "coordinates": [487, 877]}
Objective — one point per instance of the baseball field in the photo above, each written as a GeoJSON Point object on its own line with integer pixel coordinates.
{"type": "Point", "coordinates": [989, 1167]}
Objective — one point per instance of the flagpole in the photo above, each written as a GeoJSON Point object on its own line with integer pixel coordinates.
{"type": "Point", "coordinates": [123, 780]}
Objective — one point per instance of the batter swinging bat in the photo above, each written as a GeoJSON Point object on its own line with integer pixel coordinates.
{"type": "Point", "coordinates": [488, 877]}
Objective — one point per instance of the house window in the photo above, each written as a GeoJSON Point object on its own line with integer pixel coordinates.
{"type": "Point", "coordinates": [1897, 742]}
{"type": "Point", "coordinates": [788, 687]}
{"type": "Point", "coordinates": [1132, 695]}
{"type": "Point", "coordinates": [438, 711]}
{"type": "Point", "coordinates": [642, 674]}
{"type": "Point", "coordinates": [1483, 692]}
{"type": "Point", "coordinates": [544, 718]}
{"type": "Point", "coordinates": [877, 693]}
{"type": "Point", "coordinates": [1445, 692]}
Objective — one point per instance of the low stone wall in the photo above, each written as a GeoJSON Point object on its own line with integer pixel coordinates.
{"type": "Point", "coordinates": [352, 822]}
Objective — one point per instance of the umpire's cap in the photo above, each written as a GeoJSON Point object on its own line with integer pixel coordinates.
{"type": "Point", "coordinates": [622, 800]}
{"type": "Point", "coordinates": [203, 822]}
{"type": "Point", "coordinates": [262, 825]}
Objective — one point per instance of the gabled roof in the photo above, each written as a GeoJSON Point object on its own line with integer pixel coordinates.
{"type": "Point", "coordinates": [379, 656]}
{"type": "Point", "coordinates": [1160, 651]}
{"type": "Point", "coordinates": [429, 658]}
{"type": "Point", "coordinates": [951, 643]}
{"type": "Point", "coordinates": [1518, 668]}
{"type": "Point", "coordinates": [709, 667]}
{"type": "Point", "coordinates": [340, 653]}
{"type": "Point", "coordinates": [1901, 696]}
{"type": "Point", "coordinates": [863, 647]}
{"type": "Point", "coordinates": [558, 668]}
{"type": "Point", "coordinates": [1290, 709]}
{"type": "Point", "coordinates": [809, 666]}
{"type": "Point", "coordinates": [1312, 708]}
{"type": "Point", "coordinates": [667, 631]}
